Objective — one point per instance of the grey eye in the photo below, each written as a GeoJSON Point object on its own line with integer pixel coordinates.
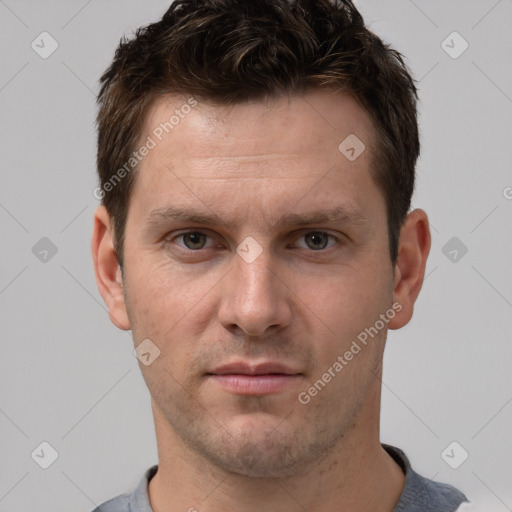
{"type": "Point", "coordinates": [193, 240]}
{"type": "Point", "coordinates": [317, 240]}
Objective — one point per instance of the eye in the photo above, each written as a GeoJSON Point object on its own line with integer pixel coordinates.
{"type": "Point", "coordinates": [196, 240]}
{"type": "Point", "coordinates": [193, 240]}
{"type": "Point", "coordinates": [317, 240]}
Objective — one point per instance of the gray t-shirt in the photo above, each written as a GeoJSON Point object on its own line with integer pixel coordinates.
{"type": "Point", "coordinates": [419, 493]}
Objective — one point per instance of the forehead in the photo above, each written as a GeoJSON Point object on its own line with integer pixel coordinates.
{"type": "Point", "coordinates": [257, 132]}
{"type": "Point", "coordinates": [258, 150]}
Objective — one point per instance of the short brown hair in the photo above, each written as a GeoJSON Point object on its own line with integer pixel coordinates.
{"type": "Point", "coordinates": [231, 51]}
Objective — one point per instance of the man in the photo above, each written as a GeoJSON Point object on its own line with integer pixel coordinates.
{"type": "Point", "coordinates": [256, 163]}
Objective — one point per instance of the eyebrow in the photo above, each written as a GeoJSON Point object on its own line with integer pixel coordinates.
{"type": "Point", "coordinates": [346, 214]}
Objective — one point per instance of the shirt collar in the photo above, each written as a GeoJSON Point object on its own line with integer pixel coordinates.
{"type": "Point", "coordinates": [414, 485]}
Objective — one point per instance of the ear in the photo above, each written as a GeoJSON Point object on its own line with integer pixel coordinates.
{"type": "Point", "coordinates": [107, 269]}
{"type": "Point", "coordinates": [413, 249]}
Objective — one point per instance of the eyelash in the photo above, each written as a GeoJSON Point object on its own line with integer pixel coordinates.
{"type": "Point", "coordinates": [171, 240]}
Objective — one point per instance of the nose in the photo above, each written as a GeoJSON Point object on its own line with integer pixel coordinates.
{"type": "Point", "coordinates": [255, 297]}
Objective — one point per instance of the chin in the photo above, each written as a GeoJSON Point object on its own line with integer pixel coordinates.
{"type": "Point", "coordinates": [260, 460]}
{"type": "Point", "coordinates": [258, 452]}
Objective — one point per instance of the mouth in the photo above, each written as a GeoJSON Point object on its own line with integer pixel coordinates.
{"type": "Point", "coordinates": [253, 380]}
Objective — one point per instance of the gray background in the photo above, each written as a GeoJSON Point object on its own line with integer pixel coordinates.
{"type": "Point", "coordinates": [69, 377]}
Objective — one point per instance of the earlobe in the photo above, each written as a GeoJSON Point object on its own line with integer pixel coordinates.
{"type": "Point", "coordinates": [107, 270]}
{"type": "Point", "coordinates": [413, 250]}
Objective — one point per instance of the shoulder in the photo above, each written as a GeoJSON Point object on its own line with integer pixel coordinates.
{"type": "Point", "coordinates": [136, 501]}
{"type": "Point", "coordinates": [119, 504]}
{"type": "Point", "coordinates": [436, 496]}
{"type": "Point", "coordinates": [421, 494]}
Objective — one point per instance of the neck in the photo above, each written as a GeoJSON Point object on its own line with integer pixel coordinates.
{"type": "Point", "coordinates": [356, 475]}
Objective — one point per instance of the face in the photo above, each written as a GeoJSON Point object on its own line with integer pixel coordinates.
{"type": "Point", "coordinates": [255, 254]}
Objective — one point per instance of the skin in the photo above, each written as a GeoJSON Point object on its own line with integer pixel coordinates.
{"type": "Point", "coordinates": [301, 302]}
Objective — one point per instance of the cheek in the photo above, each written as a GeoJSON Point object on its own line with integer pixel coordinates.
{"type": "Point", "coordinates": [346, 306]}
{"type": "Point", "coordinates": [168, 306]}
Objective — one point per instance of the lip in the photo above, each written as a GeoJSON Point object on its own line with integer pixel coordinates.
{"type": "Point", "coordinates": [261, 379]}
{"type": "Point", "coordinates": [242, 368]}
